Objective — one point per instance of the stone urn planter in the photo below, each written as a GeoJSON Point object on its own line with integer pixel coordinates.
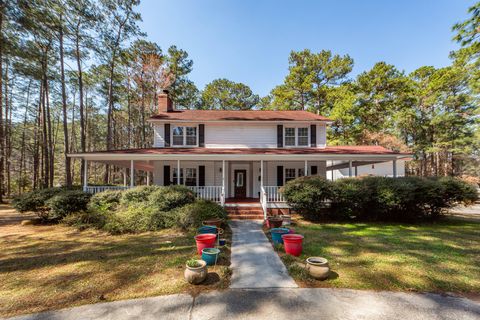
{"type": "Point", "coordinates": [195, 271]}
{"type": "Point", "coordinates": [318, 268]}
{"type": "Point", "coordinates": [274, 222]}
{"type": "Point", "coordinates": [213, 222]}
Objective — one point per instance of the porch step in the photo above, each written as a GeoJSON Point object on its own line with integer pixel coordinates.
{"type": "Point", "coordinates": [244, 213]}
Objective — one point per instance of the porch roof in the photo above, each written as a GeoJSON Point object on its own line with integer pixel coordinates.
{"type": "Point", "coordinates": [327, 153]}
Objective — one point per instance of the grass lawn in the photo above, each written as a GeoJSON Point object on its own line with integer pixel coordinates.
{"type": "Point", "coordinates": [438, 257]}
{"type": "Point", "coordinates": [51, 267]}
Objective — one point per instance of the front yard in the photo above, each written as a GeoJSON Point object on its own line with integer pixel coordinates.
{"type": "Point", "coordinates": [47, 267]}
{"type": "Point", "coordinates": [437, 257]}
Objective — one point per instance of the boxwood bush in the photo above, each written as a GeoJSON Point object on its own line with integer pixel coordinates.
{"type": "Point", "coordinates": [378, 198]}
{"type": "Point", "coordinates": [67, 202]}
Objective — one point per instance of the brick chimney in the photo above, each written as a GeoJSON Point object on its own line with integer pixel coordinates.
{"type": "Point", "coordinates": [165, 104]}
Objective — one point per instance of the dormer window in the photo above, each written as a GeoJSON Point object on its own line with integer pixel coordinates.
{"type": "Point", "coordinates": [184, 136]}
{"type": "Point", "coordinates": [296, 136]}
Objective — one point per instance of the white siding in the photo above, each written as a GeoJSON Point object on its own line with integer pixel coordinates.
{"type": "Point", "coordinates": [159, 134]}
{"type": "Point", "coordinates": [240, 136]}
{"type": "Point", "coordinates": [212, 171]}
{"type": "Point", "coordinates": [271, 169]}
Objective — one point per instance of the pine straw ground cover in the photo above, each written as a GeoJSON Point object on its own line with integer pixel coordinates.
{"type": "Point", "coordinates": [44, 267]}
{"type": "Point", "coordinates": [434, 257]}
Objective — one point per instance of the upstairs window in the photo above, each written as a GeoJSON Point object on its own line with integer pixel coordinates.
{"type": "Point", "coordinates": [302, 137]}
{"type": "Point", "coordinates": [296, 137]}
{"type": "Point", "coordinates": [184, 136]}
{"type": "Point", "coordinates": [290, 137]}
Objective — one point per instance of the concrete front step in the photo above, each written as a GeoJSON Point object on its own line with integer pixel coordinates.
{"type": "Point", "coordinates": [245, 217]}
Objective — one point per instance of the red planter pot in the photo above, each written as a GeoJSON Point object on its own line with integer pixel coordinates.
{"type": "Point", "coordinates": [206, 240]}
{"type": "Point", "coordinates": [293, 244]}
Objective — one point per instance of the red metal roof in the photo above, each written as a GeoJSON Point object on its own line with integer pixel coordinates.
{"type": "Point", "coordinates": [236, 115]}
{"type": "Point", "coordinates": [378, 150]}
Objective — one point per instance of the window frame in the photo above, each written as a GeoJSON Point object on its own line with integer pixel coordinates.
{"type": "Point", "coordinates": [183, 176]}
{"type": "Point", "coordinates": [184, 135]}
{"type": "Point", "coordinates": [296, 136]}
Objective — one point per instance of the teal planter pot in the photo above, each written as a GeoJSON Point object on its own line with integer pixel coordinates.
{"type": "Point", "coordinates": [207, 229]}
{"type": "Point", "coordinates": [210, 255]}
{"type": "Point", "coordinates": [277, 234]}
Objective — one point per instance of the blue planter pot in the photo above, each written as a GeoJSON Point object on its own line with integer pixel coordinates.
{"type": "Point", "coordinates": [210, 255]}
{"type": "Point", "coordinates": [277, 234]}
{"type": "Point", "coordinates": [207, 229]}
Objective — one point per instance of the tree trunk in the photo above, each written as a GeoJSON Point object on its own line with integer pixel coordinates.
{"type": "Point", "coordinates": [80, 88]}
{"type": "Point", "coordinates": [2, 145]}
{"type": "Point", "coordinates": [68, 173]}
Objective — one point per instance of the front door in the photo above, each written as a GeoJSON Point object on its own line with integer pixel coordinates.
{"type": "Point", "coordinates": [240, 183]}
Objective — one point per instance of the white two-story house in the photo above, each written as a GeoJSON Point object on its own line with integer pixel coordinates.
{"type": "Point", "coordinates": [240, 156]}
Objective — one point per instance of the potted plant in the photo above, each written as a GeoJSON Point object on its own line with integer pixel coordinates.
{"type": "Point", "coordinates": [318, 267]}
{"type": "Point", "coordinates": [195, 271]}
{"type": "Point", "coordinates": [213, 222]}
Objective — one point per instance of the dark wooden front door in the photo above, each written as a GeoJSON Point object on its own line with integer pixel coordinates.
{"type": "Point", "coordinates": [240, 183]}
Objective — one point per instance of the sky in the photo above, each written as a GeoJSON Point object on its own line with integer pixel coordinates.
{"type": "Point", "coordinates": [249, 41]}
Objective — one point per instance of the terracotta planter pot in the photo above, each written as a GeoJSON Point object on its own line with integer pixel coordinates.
{"type": "Point", "coordinates": [318, 268]}
{"type": "Point", "coordinates": [274, 222]}
{"type": "Point", "coordinates": [196, 275]}
{"type": "Point", "coordinates": [213, 222]}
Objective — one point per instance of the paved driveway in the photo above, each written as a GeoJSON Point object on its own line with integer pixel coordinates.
{"type": "Point", "coordinates": [285, 303]}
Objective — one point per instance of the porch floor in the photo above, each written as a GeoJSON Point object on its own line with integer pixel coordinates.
{"type": "Point", "coordinates": [243, 200]}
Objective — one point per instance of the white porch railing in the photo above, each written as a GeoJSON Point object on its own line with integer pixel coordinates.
{"type": "Point", "coordinates": [273, 194]}
{"type": "Point", "coordinates": [96, 189]}
{"type": "Point", "coordinates": [213, 193]}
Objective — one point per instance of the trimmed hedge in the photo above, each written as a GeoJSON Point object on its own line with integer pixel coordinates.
{"type": "Point", "coordinates": [377, 198]}
{"type": "Point", "coordinates": [67, 202]}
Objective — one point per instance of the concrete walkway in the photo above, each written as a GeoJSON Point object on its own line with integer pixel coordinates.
{"type": "Point", "coordinates": [254, 263]}
{"type": "Point", "coordinates": [279, 304]}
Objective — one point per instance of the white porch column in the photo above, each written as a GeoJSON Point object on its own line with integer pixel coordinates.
{"type": "Point", "coordinates": [306, 168]}
{"type": "Point", "coordinates": [261, 174]}
{"type": "Point", "coordinates": [148, 178]}
{"type": "Point", "coordinates": [223, 183]}
{"type": "Point", "coordinates": [178, 172]}
{"type": "Point", "coordinates": [85, 176]}
{"type": "Point", "coordinates": [394, 167]}
{"type": "Point", "coordinates": [132, 174]}
{"type": "Point", "coordinates": [125, 177]}
{"type": "Point", "coordinates": [350, 168]}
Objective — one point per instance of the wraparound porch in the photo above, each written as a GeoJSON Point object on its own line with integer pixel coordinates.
{"type": "Point", "coordinates": [223, 177]}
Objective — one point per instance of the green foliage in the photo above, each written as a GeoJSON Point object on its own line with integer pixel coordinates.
{"type": "Point", "coordinates": [105, 201]}
{"type": "Point", "coordinates": [193, 263]}
{"type": "Point", "coordinates": [140, 209]}
{"type": "Point", "coordinates": [378, 198]}
{"type": "Point", "coordinates": [67, 202]}
{"type": "Point", "coordinates": [51, 203]}
{"type": "Point", "coordinates": [192, 215]}
{"type": "Point", "coordinates": [137, 194]}
{"type": "Point", "coordinates": [223, 94]}
{"type": "Point", "coordinates": [307, 195]}
{"type": "Point", "coordinates": [171, 197]}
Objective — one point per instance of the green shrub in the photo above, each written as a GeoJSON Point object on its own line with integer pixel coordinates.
{"type": "Point", "coordinates": [86, 219]}
{"type": "Point", "coordinates": [105, 201]}
{"type": "Point", "coordinates": [140, 218]}
{"type": "Point", "coordinates": [171, 197]}
{"type": "Point", "coordinates": [192, 215]}
{"type": "Point", "coordinates": [307, 195]}
{"type": "Point", "coordinates": [38, 201]}
{"type": "Point", "coordinates": [137, 194]}
{"type": "Point", "coordinates": [378, 198]}
{"type": "Point", "coordinates": [35, 200]}
{"type": "Point", "coordinates": [67, 202]}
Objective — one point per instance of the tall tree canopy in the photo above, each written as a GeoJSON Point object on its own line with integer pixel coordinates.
{"type": "Point", "coordinates": [223, 94]}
